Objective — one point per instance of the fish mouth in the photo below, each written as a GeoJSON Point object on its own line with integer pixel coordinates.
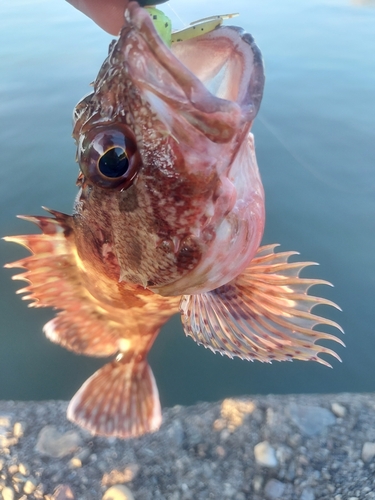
{"type": "Point", "coordinates": [214, 80]}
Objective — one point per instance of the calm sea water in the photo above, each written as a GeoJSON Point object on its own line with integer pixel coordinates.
{"type": "Point", "coordinates": [315, 138]}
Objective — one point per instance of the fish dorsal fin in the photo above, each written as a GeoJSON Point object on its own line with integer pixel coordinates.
{"type": "Point", "coordinates": [263, 314]}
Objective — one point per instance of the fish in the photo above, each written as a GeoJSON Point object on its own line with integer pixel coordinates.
{"type": "Point", "coordinates": [168, 219]}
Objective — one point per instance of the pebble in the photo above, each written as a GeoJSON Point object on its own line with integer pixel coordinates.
{"type": "Point", "coordinates": [265, 455]}
{"type": "Point", "coordinates": [74, 463]}
{"type": "Point", "coordinates": [18, 478]}
{"type": "Point", "coordinates": [284, 454]}
{"type": "Point", "coordinates": [220, 451]}
{"type": "Point", "coordinates": [311, 420]}
{"type": "Point", "coordinates": [295, 440]}
{"type": "Point", "coordinates": [308, 494]}
{"type": "Point", "coordinates": [368, 452]}
{"type": "Point", "coordinates": [23, 469]}
{"type": "Point", "coordinates": [228, 490]}
{"type": "Point", "coordinates": [118, 492]}
{"type": "Point", "coordinates": [5, 421]}
{"type": "Point", "coordinates": [240, 496]}
{"type": "Point", "coordinates": [58, 476]}
{"type": "Point", "coordinates": [175, 496]}
{"type": "Point", "coordinates": [83, 454]}
{"type": "Point", "coordinates": [7, 493]}
{"type": "Point", "coordinates": [224, 435]}
{"type": "Point", "coordinates": [338, 410]}
{"type": "Point", "coordinates": [257, 483]}
{"type": "Point", "coordinates": [8, 442]}
{"type": "Point", "coordinates": [234, 411]}
{"type": "Point", "coordinates": [30, 486]}
{"type": "Point", "coordinates": [18, 430]}
{"type": "Point", "coordinates": [54, 444]}
{"type": "Point", "coordinates": [176, 433]}
{"type": "Point", "coordinates": [326, 475]}
{"type": "Point", "coordinates": [13, 469]}
{"type": "Point", "coordinates": [274, 489]}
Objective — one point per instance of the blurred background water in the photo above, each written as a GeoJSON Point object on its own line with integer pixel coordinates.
{"type": "Point", "coordinates": [315, 140]}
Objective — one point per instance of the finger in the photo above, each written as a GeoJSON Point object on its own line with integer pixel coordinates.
{"type": "Point", "coordinates": [108, 15]}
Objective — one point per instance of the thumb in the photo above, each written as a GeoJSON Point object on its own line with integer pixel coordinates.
{"type": "Point", "coordinates": [109, 15]}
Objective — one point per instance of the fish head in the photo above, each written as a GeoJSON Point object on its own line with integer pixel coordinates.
{"type": "Point", "coordinates": [171, 197]}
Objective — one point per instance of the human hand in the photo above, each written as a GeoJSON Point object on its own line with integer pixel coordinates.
{"type": "Point", "coordinates": [108, 14]}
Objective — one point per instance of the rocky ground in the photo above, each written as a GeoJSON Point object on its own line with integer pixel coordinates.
{"type": "Point", "coordinates": [262, 448]}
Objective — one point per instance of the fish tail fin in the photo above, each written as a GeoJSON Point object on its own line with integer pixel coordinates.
{"type": "Point", "coordinates": [263, 314]}
{"type": "Point", "coordinates": [119, 400]}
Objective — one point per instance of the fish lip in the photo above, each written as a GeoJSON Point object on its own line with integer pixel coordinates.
{"type": "Point", "coordinates": [218, 118]}
{"type": "Point", "coordinates": [254, 95]}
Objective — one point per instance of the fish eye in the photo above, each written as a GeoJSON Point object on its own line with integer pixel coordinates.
{"type": "Point", "coordinates": [114, 162]}
{"type": "Point", "coordinates": [109, 157]}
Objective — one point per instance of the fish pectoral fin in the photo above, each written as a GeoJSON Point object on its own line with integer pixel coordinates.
{"type": "Point", "coordinates": [52, 277]}
{"type": "Point", "coordinates": [119, 400]}
{"type": "Point", "coordinates": [263, 314]}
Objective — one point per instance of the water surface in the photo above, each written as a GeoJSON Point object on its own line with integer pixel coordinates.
{"type": "Point", "coordinates": [315, 139]}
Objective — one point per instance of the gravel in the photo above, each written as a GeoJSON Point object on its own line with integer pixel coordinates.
{"type": "Point", "coordinates": [304, 447]}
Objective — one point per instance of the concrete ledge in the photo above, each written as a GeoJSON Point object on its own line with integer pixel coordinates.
{"type": "Point", "coordinates": [305, 447]}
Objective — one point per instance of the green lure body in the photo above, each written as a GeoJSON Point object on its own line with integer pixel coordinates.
{"type": "Point", "coordinates": [162, 24]}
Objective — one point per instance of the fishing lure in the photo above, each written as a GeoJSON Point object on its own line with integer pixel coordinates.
{"type": "Point", "coordinates": [163, 26]}
{"type": "Point", "coordinates": [200, 27]}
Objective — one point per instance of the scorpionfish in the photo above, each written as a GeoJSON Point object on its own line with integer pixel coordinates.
{"type": "Point", "coordinates": [168, 219]}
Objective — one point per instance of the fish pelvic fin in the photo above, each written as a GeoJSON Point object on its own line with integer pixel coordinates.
{"type": "Point", "coordinates": [264, 314]}
{"type": "Point", "coordinates": [119, 400]}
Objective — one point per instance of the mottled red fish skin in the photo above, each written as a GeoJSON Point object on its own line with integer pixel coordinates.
{"type": "Point", "coordinates": [121, 227]}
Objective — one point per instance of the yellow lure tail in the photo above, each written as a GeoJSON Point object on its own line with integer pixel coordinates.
{"type": "Point", "coordinates": [200, 27]}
